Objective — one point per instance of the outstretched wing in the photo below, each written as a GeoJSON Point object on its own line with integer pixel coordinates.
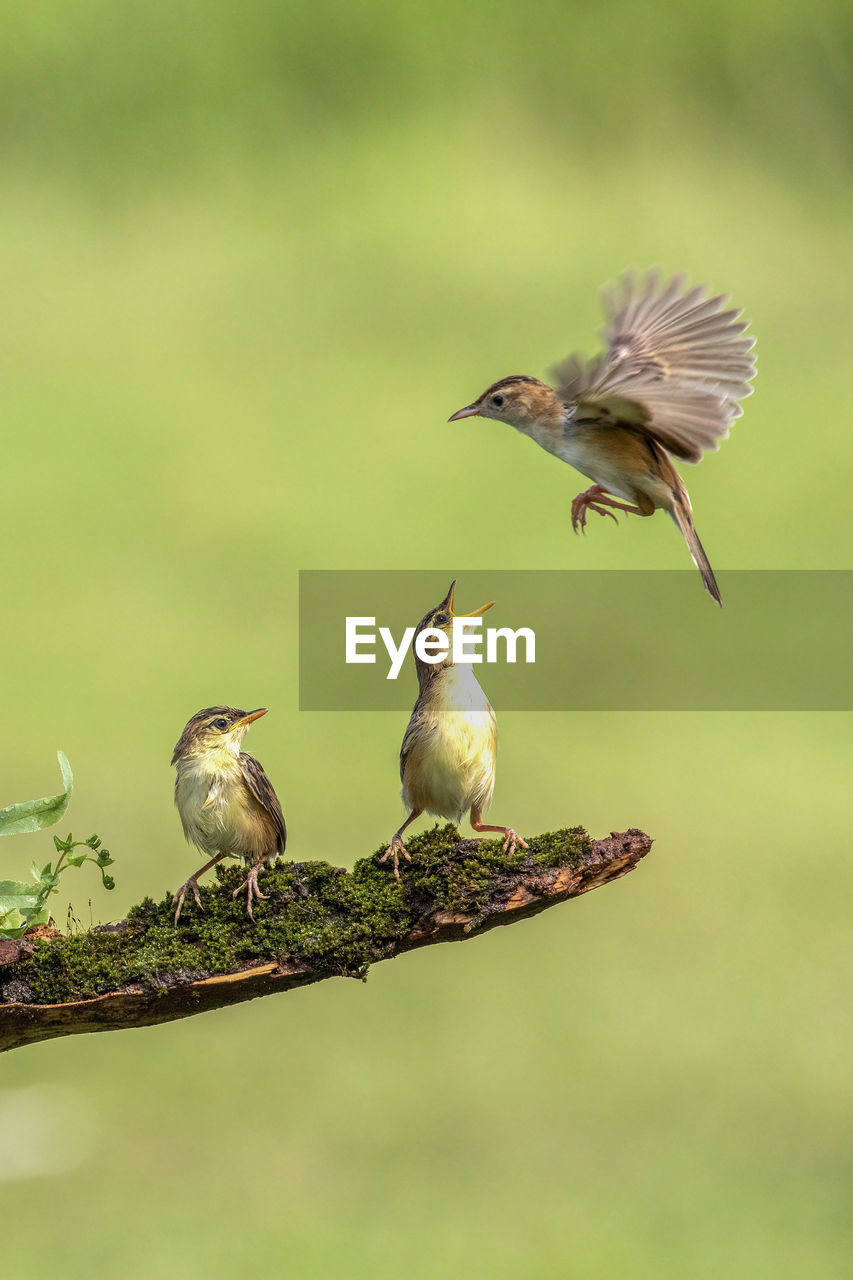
{"type": "Point", "coordinates": [676, 364]}
{"type": "Point", "coordinates": [262, 789]}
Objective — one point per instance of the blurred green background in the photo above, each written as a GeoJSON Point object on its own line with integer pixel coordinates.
{"type": "Point", "coordinates": [252, 257]}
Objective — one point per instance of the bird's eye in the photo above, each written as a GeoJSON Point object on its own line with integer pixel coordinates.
{"type": "Point", "coordinates": [440, 618]}
{"type": "Point", "coordinates": [498, 401]}
{"type": "Point", "coordinates": [221, 723]}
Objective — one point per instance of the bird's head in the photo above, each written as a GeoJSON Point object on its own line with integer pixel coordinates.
{"type": "Point", "coordinates": [519, 401]}
{"type": "Point", "coordinates": [214, 730]}
{"type": "Point", "coordinates": [441, 619]}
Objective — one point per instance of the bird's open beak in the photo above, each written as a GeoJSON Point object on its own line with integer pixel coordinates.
{"type": "Point", "coordinates": [470, 411]}
{"type": "Point", "coordinates": [448, 601]}
{"type": "Point", "coordinates": [250, 718]}
{"type": "Point", "coordinates": [477, 613]}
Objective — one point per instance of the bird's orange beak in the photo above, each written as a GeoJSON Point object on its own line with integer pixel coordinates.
{"type": "Point", "coordinates": [477, 613]}
{"type": "Point", "coordinates": [470, 411]}
{"type": "Point", "coordinates": [250, 718]}
{"type": "Point", "coordinates": [448, 602]}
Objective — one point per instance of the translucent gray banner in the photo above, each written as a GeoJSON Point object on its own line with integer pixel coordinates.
{"type": "Point", "coordinates": [604, 641]}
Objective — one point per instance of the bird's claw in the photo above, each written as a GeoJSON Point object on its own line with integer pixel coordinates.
{"type": "Point", "coordinates": [395, 848]}
{"type": "Point", "coordinates": [178, 897]}
{"type": "Point", "coordinates": [579, 517]}
{"type": "Point", "coordinates": [512, 839]}
{"type": "Point", "coordinates": [598, 500]}
{"type": "Point", "coordinates": [250, 884]}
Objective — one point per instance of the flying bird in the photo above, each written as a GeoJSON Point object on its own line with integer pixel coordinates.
{"type": "Point", "coordinates": [668, 386]}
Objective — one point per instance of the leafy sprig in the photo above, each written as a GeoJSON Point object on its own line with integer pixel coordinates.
{"type": "Point", "coordinates": [65, 849]}
{"type": "Point", "coordinates": [24, 905]}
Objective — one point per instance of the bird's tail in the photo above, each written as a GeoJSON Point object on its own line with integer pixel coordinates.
{"type": "Point", "coordinates": [683, 517]}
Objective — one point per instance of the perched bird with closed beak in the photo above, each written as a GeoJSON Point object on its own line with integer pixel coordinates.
{"type": "Point", "coordinates": [676, 366]}
{"type": "Point", "coordinates": [447, 760]}
{"type": "Point", "coordinates": [226, 801]}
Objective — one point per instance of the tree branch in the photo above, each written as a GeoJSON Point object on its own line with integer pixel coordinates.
{"type": "Point", "coordinates": [317, 921]}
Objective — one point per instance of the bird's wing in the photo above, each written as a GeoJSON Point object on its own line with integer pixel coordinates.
{"type": "Point", "coordinates": [262, 789]}
{"type": "Point", "coordinates": [413, 730]}
{"type": "Point", "coordinates": [676, 364]}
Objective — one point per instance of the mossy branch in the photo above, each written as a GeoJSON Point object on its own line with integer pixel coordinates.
{"type": "Point", "coordinates": [317, 921]}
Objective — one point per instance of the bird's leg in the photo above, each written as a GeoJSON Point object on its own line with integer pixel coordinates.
{"type": "Point", "coordinates": [396, 847]}
{"type": "Point", "coordinates": [511, 838]}
{"type": "Point", "coordinates": [192, 883]}
{"type": "Point", "coordinates": [250, 884]}
{"type": "Point", "coordinates": [597, 499]}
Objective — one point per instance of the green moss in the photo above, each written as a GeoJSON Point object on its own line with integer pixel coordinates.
{"type": "Point", "coordinates": [566, 848]}
{"type": "Point", "coordinates": [323, 916]}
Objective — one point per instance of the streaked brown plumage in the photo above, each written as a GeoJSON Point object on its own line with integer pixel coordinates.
{"type": "Point", "coordinates": [447, 760]}
{"type": "Point", "coordinates": [226, 801]}
{"type": "Point", "coordinates": [676, 366]}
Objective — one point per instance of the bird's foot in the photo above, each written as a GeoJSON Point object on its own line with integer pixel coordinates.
{"type": "Point", "coordinates": [394, 850]}
{"type": "Point", "coordinates": [250, 884]}
{"type": "Point", "coordinates": [178, 898]}
{"type": "Point", "coordinates": [511, 840]}
{"type": "Point", "coordinates": [597, 499]}
{"type": "Point", "coordinates": [511, 837]}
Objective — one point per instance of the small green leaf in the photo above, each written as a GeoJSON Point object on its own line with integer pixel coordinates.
{"type": "Point", "coordinates": [12, 923]}
{"type": "Point", "coordinates": [94, 842]}
{"type": "Point", "coordinates": [33, 815]}
{"type": "Point", "coordinates": [109, 883]}
{"type": "Point", "coordinates": [45, 881]}
{"type": "Point", "coordinates": [77, 859]}
{"type": "Point", "coordinates": [19, 903]}
{"type": "Point", "coordinates": [13, 894]}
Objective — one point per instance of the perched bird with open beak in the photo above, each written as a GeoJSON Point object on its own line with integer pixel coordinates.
{"type": "Point", "coordinates": [676, 366]}
{"type": "Point", "coordinates": [226, 801]}
{"type": "Point", "coordinates": [447, 760]}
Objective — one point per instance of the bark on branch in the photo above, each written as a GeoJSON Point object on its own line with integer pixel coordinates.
{"type": "Point", "coordinates": [318, 921]}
